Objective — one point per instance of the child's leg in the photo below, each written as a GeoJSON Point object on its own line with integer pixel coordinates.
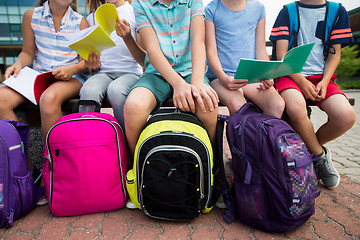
{"type": "Point", "coordinates": [341, 117]}
{"type": "Point", "coordinates": [138, 106]}
{"type": "Point", "coordinates": [117, 92]}
{"type": "Point", "coordinates": [300, 122]}
{"type": "Point", "coordinates": [95, 87]}
{"type": "Point", "coordinates": [268, 100]}
{"type": "Point", "coordinates": [209, 119]}
{"type": "Point", "coordinates": [52, 99]}
{"type": "Point", "coordinates": [9, 100]}
{"type": "Point", "coordinates": [233, 100]}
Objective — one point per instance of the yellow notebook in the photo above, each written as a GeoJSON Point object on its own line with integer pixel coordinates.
{"type": "Point", "coordinates": [96, 38]}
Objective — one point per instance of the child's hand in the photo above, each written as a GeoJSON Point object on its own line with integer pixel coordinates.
{"type": "Point", "coordinates": [93, 61]}
{"type": "Point", "coordinates": [123, 28]}
{"type": "Point", "coordinates": [13, 70]}
{"type": "Point", "coordinates": [206, 96]}
{"type": "Point", "coordinates": [233, 84]}
{"type": "Point", "coordinates": [182, 97]}
{"type": "Point", "coordinates": [63, 73]}
{"type": "Point", "coordinates": [308, 89]}
{"type": "Point", "coordinates": [265, 84]}
{"type": "Point", "coordinates": [321, 90]}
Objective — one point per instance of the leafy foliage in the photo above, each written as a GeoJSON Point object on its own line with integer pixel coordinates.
{"type": "Point", "coordinates": [349, 63]}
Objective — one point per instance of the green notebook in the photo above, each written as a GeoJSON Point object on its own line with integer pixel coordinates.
{"type": "Point", "coordinates": [258, 70]}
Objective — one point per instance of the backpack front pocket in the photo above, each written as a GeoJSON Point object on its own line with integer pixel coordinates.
{"type": "Point", "coordinates": [172, 185]}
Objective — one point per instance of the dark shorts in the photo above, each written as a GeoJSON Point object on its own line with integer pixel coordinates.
{"type": "Point", "coordinates": [161, 89]}
{"type": "Point", "coordinates": [284, 83]}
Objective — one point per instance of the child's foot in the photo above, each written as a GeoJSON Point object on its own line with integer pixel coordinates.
{"type": "Point", "coordinates": [130, 204]}
{"type": "Point", "coordinates": [43, 200]}
{"type": "Point", "coordinates": [326, 171]}
{"type": "Point", "coordinates": [220, 203]}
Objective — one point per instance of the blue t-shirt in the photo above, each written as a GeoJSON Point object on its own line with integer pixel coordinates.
{"type": "Point", "coordinates": [234, 32]}
{"type": "Point", "coordinates": [311, 31]}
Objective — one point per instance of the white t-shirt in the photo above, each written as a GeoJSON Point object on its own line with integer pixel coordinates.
{"type": "Point", "coordinates": [119, 58]}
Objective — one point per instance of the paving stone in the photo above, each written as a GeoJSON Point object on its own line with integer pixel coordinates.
{"type": "Point", "coordinates": [303, 231]}
{"type": "Point", "coordinates": [57, 228]}
{"type": "Point", "coordinates": [318, 215]}
{"type": "Point", "coordinates": [328, 231]}
{"type": "Point", "coordinates": [33, 220]}
{"type": "Point", "coordinates": [89, 221]}
{"type": "Point", "coordinates": [19, 236]}
{"type": "Point", "coordinates": [82, 234]}
{"type": "Point", "coordinates": [342, 216]}
{"type": "Point", "coordinates": [204, 232]}
{"type": "Point", "coordinates": [174, 230]}
{"type": "Point", "coordinates": [141, 219]}
{"type": "Point", "coordinates": [260, 235]}
{"type": "Point", "coordinates": [235, 230]}
{"type": "Point", "coordinates": [116, 226]}
{"type": "Point", "coordinates": [145, 233]}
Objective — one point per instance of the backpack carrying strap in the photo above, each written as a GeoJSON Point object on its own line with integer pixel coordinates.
{"type": "Point", "coordinates": [298, 162]}
{"type": "Point", "coordinates": [332, 14]}
{"type": "Point", "coordinates": [294, 23]}
{"type": "Point", "coordinates": [229, 215]}
{"type": "Point", "coordinates": [307, 198]}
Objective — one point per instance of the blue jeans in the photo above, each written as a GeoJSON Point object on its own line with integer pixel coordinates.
{"type": "Point", "coordinates": [115, 85]}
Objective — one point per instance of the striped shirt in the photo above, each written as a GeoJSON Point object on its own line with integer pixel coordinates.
{"type": "Point", "coordinates": [172, 28]}
{"type": "Point", "coordinates": [52, 49]}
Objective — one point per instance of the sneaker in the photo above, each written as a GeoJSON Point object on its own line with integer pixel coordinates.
{"type": "Point", "coordinates": [42, 201]}
{"type": "Point", "coordinates": [326, 171]}
{"type": "Point", "coordinates": [130, 204]}
{"type": "Point", "coordinates": [220, 203]}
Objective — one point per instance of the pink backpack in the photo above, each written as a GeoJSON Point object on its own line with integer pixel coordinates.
{"type": "Point", "coordinates": [85, 166]}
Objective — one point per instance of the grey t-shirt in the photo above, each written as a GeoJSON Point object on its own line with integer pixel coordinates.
{"type": "Point", "coordinates": [311, 24]}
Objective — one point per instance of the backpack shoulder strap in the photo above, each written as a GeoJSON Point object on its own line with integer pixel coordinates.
{"type": "Point", "coordinates": [294, 23]}
{"type": "Point", "coordinates": [331, 17]}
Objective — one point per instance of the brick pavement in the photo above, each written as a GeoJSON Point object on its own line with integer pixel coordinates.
{"type": "Point", "coordinates": [337, 213]}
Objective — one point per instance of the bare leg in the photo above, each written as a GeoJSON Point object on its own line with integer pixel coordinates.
{"type": "Point", "coordinates": [209, 120]}
{"type": "Point", "coordinates": [341, 118]}
{"type": "Point", "coordinates": [52, 99]}
{"type": "Point", "coordinates": [138, 106]}
{"type": "Point", "coordinates": [268, 100]}
{"type": "Point", "coordinates": [296, 110]}
{"type": "Point", "coordinates": [9, 100]}
{"type": "Point", "coordinates": [233, 100]}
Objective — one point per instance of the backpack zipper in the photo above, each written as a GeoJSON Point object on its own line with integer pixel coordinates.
{"type": "Point", "coordinates": [111, 123]}
{"type": "Point", "coordinates": [173, 148]}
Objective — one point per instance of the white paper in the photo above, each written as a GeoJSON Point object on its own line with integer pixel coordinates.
{"type": "Point", "coordinates": [24, 83]}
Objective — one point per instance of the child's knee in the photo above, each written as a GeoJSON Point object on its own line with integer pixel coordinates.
{"type": "Point", "coordinates": [296, 111]}
{"type": "Point", "coordinates": [276, 108]}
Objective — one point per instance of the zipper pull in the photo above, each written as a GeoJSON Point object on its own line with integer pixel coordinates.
{"type": "Point", "coordinates": [261, 125]}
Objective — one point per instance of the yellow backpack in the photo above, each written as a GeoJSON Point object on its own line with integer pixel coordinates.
{"type": "Point", "coordinates": [172, 176]}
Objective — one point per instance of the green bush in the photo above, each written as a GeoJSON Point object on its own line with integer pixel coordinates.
{"type": "Point", "coordinates": [349, 85]}
{"type": "Point", "coordinates": [349, 63]}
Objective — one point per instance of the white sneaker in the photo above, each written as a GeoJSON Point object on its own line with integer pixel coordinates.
{"type": "Point", "coordinates": [130, 204]}
{"type": "Point", "coordinates": [42, 201]}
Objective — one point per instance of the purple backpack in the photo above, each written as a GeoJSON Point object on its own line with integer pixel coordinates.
{"type": "Point", "coordinates": [17, 189]}
{"type": "Point", "coordinates": [275, 185]}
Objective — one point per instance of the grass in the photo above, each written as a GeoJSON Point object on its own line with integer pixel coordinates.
{"type": "Point", "coordinates": [349, 85]}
